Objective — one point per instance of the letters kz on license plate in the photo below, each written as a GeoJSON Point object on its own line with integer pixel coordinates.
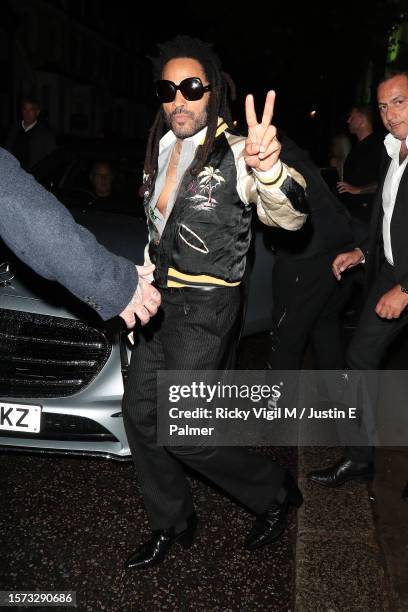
{"type": "Point", "coordinates": [20, 417]}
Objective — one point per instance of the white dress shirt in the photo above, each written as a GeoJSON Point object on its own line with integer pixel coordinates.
{"type": "Point", "coordinates": [390, 189]}
{"type": "Point", "coordinates": [187, 154]}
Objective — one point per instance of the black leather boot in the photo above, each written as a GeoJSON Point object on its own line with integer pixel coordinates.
{"type": "Point", "coordinates": [270, 525]}
{"type": "Point", "coordinates": [341, 472]}
{"type": "Point", "coordinates": [154, 550]}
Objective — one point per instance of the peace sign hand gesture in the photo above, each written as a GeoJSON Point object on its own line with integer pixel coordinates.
{"type": "Point", "coordinates": [262, 147]}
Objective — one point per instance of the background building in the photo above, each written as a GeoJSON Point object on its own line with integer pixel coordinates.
{"type": "Point", "coordinates": [81, 60]}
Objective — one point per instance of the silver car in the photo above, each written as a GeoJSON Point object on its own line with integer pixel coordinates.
{"type": "Point", "coordinates": [62, 370]}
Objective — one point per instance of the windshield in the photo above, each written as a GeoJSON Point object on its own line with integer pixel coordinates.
{"type": "Point", "coordinates": [97, 178]}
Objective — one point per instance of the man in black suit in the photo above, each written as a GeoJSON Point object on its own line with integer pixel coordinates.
{"type": "Point", "coordinates": [385, 311]}
{"type": "Point", "coordinates": [31, 139]}
{"type": "Point", "coordinates": [307, 300]}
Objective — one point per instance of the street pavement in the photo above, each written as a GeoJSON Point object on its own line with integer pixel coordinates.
{"type": "Point", "coordinates": [68, 524]}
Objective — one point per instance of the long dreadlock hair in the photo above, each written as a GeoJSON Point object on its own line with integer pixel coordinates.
{"type": "Point", "coordinates": [202, 52]}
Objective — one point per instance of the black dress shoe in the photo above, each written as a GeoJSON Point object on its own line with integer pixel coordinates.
{"type": "Point", "coordinates": [341, 472]}
{"type": "Point", "coordinates": [270, 525]}
{"type": "Point", "coordinates": [154, 550]}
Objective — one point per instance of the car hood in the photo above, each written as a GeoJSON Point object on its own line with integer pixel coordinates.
{"type": "Point", "coordinates": [21, 295]}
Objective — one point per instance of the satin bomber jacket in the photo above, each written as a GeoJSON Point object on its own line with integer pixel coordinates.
{"type": "Point", "coordinates": [208, 231]}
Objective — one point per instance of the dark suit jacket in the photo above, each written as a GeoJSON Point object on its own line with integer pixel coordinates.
{"type": "Point", "coordinates": [373, 248]}
{"type": "Point", "coordinates": [44, 235]}
{"type": "Point", "coordinates": [329, 227]}
{"type": "Point", "coordinates": [42, 142]}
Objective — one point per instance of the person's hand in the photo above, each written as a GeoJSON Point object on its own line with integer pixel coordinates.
{"type": "Point", "coordinates": [262, 148]}
{"type": "Point", "coordinates": [345, 261]}
{"type": "Point", "coordinates": [343, 187]}
{"type": "Point", "coordinates": [145, 301]}
{"type": "Point", "coordinates": [392, 303]}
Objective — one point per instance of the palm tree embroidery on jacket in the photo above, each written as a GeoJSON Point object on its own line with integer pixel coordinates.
{"type": "Point", "coordinates": [208, 180]}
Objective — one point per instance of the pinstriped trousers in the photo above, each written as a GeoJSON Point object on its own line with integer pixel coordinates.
{"type": "Point", "coordinates": [194, 330]}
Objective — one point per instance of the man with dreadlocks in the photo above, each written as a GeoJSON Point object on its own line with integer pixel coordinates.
{"type": "Point", "coordinates": [201, 182]}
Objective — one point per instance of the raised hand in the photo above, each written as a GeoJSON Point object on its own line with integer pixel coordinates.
{"type": "Point", "coordinates": [146, 299]}
{"type": "Point", "coordinates": [262, 147]}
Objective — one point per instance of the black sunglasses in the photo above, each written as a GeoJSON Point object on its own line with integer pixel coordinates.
{"type": "Point", "coordinates": [192, 89]}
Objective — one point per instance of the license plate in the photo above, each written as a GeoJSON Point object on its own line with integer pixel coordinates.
{"type": "Point", "coordinates": [20, 417]}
